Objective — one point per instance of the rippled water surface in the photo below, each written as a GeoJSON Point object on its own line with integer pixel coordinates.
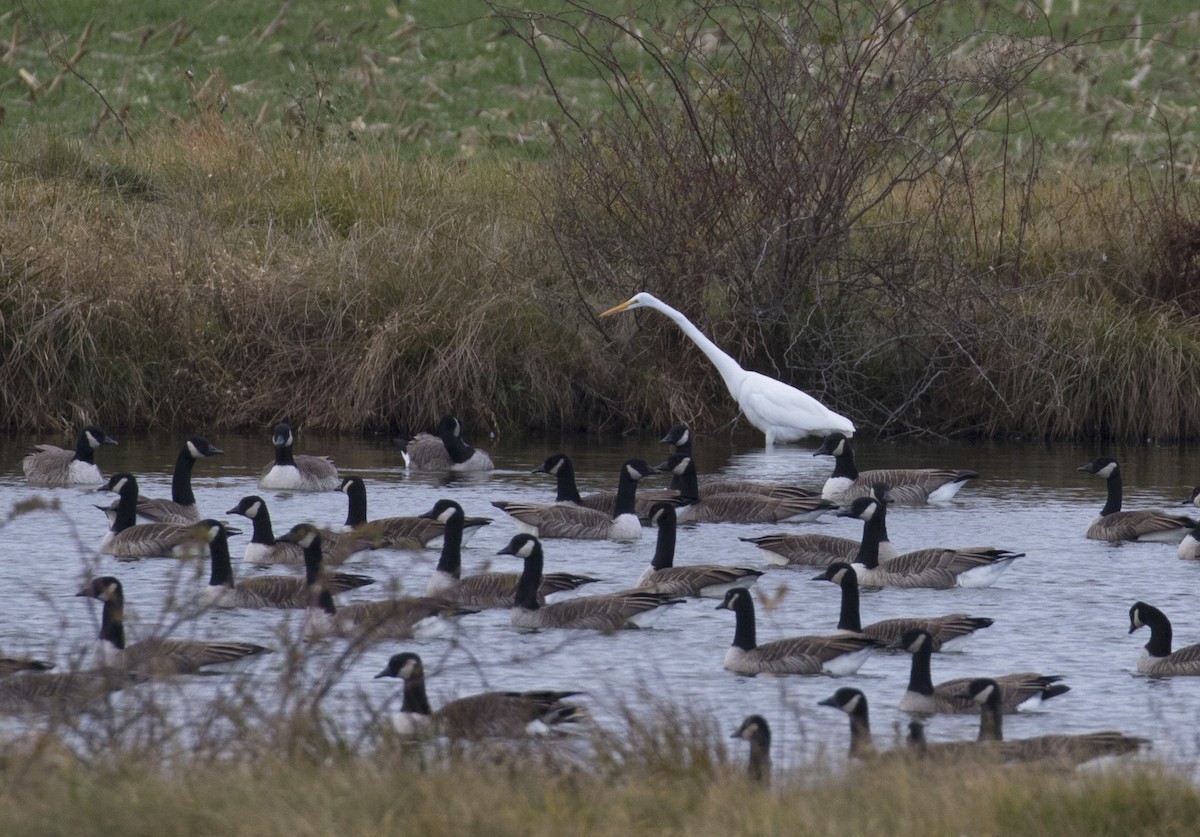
{"type": "Point", "coordinates": [1062, 609]}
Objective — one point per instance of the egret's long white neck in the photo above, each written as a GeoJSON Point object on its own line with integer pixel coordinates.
{"type": "Point", "coordinates": [729, 368]}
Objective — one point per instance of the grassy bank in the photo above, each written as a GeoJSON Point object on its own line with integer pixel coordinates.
{"type": "Point", "coordinates": [414, 209]}
{"type": "Point", "coordinates": [520, 794]}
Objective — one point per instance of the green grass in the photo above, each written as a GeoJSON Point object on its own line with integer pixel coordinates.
{"type": "Point", "coordinates": [445, 77]}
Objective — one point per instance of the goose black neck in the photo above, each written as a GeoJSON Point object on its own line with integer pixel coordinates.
{"type": "Point", "coordinates": [530, 581]}
{"type": "Point", "coordinates": [744, 636]}
{"type": "Point", "coordinates": [356, 507]}
{"type": "Point", "coordinates": [112, 620]}
{"type": "Point", "coordinates": [861, 743]}
{"type": "Point", "coordinates": [1113, 504]}
{"type": "Point", "coordinates": [262, 532]}
{"type": "Point", "coordinates": [284, 455]}
{"type": "Point", "coordinates": [568, 491]}
{"type": "Point", "coordinates": [664, 547]}
{"type": "Point", "coordinates": [990, 724]}
{"type": "Point", "coordinates": [458, 450]}
{"type": "Point", "coordinates": [760, 759]}
{"type": "Point", "coordinates": [415, 699]}
{"type": "Point", "coordinates": [222, 567]}
{"type": "Point", "coordinates": [874, 531]}
{"type": "Point", "coordinates": [920, 678]}
{"type": "Point", "coordinates": [850, 618]}
{"type": "Point", "coordinates": [83, 450]}
{"type": "Point", "coordinates": [320, 599]}
{"type": "Point", "coordinates": [126, 514]}
{"type": "Point", "coordinates": [312, 562]}
{"type": "Point", "coordinates": [843, 463]}
{"type": "Point", "coordinates": [181, 479]}
{"type": "Point", "coordinates": [686, 450]}
{"type": "Point", "coordinates": [689, 485]}
{"type": "Point", "coordinates": [626, 493]}
{"type": "Point", "coordinates": [452, 538]}
{"type": "Point", "coordinates": [1160, 631]}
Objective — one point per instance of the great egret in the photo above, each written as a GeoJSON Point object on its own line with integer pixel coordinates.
{"type": "Point", "coordinates": [782, 412]}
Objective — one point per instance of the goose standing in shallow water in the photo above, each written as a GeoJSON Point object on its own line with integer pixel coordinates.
{"type": "Point", "coordinates": [447, 451]}
{"type": "Point", "coordinates": [264, 548]}
{"type": "Point", "coordinates": [816, 550]}
{"type": "Point", "coordinates": [948, 632]}
{"type": "Point", "coordinates": [935, 568]}
{"type": "Point", "coordinates": [403, 532]}
{"type": "Point", "coordinates": [279, 591]}
{"type": "Point", "coordinates": [155, 657]}
{"type": "Point", "coordinates": [484, 590]}
{"type": "Point", "coordinates": [906, 485]}
{"type": "Point", "coordinates": [1144, 525]}
{"type": "Point", "coordinates": [296, 472]}
{"type": "Point", "coordinates": [737, 508]}
{"type": "Point", "coordinates": [838, 654]}
{"type": "Point", "coordinates": [611, 612]}
{"type": "Point", "coordinates": [694, 580]}
{"type": "Point", "coordinates": [181, 508]}
{"type": "Point", "coordinates": [1059, 750]}
{"type": "Point", "coordinates": [782, 412]}
{"type": "Point", "coordinates": [128, 539]}
{"type": "Point", "coordinates": [476, 717]}
{"type": "Point", "coordinates": [49, 465]}
{"type": "Point", "coordinates": [400, 618]}
{"type": "Point", "coordinates": [755, 730]}
{"type": "Point", "coordinates": [1026, 690]}
{"type": "Point", "coordinates": [1157, 657]}
{"type": "Point", "coordinates": [567, 520]}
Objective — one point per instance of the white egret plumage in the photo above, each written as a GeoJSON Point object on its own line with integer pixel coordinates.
{"type": "Point", "coordinates": [782, 412]}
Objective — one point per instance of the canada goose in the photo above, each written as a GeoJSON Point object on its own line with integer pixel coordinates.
{"type": "Point", "coordinates": [737, 508]}
{"type": "Point", "coordinates": [446, 451]}
{"type": "Point", "coordinates": [60, 693]}
{"type": "Point", "coordinates": [281, 591]}
{"type": "Point", "coordinates": [1026, 690]}
{"type": "Point", "coordinates": [264, 548]}
{"type": "Point", "coordinates": [854, 703]}
{"type": "Point", "coordinates": [296, 472]}
{"type": "Point", "coordinates": [566, 520]}
{"type": "Point", "coordinates": [485, 590]}
{"type": "Point", "coordinates": [409, 532]}
{"type": "Point", "coordinates": [907, 485]}
{"type": "Point", "coordinates": [181, 508]}
{"type": "Point", "coordinates": [560, 466]}
{"type": "Point", "coordinates": [813, 550]}
{"type": "Point", "coordinates": [1060, 750]}
{"type": "Point", "coordinates": [838, 654]}
{"type": "Point", "coordinates": [1189, 547]}
{"type": "Point", "coordinates": [755, 730]}
{"type": "Point", "coordinates": [680, 437]}
{"type": "Point", "coordinates": [1143, 525]}
{"type": "Point", "coordinates": [611, 612]}
{"type": "Point", "coordinates": [11, 665]}
{"type": "Point", "coordinates": [936, 568]}
{"type": "Point", "coordinates": [401, 618]}
{"type": "Point", "coordinates": [50, 465]}
{"type": "Point", "coordinates": [948, 632]}
{"type": "Point", "coordinates": [703, 580]}
{"type": "Point", "coordinates": [487, 715]}
{"type": "Point", "coordinates": [1157, 657]}
{"type": "Point", "coordinates": [782, 412]}
{"type": "Point", "coordinates": [127, 539]}
{"type": "Point", "coordinates": [155, 657]}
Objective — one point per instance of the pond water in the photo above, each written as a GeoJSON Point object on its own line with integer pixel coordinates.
{"type": "Point", "coordinates": [1061, 609]}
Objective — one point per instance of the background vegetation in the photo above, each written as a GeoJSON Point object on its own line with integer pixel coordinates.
{"type": "Point", "coordinates": [939, 218]}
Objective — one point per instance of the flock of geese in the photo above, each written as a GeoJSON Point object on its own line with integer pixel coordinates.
{"type": "Point", "coordinates": [141, 527]}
